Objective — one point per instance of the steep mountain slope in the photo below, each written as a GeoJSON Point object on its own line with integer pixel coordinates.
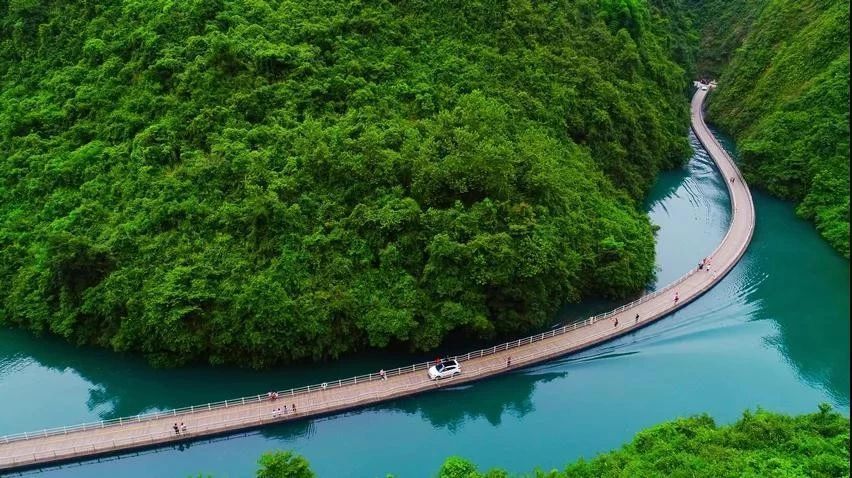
{"type": "Point", "coordinates": [785, 97]}
{"type": "Point", "coordinates": [259, 181]}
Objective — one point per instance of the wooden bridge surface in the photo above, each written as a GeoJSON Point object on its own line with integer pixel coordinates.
{"type": "Point", "coordinates": [38, 448]}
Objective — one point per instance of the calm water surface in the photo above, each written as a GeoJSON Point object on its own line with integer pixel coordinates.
{"type": "Point", "coordinates": [774, 333]}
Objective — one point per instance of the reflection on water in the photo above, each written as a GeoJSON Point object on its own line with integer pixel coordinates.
{"type": "Point", "coordinates": [774, 332]}
{"type": "Point", "coordinates": [489, 399]}
{"type": "Point", "coordinates": [805, 291]}
{"type": "Point", "coordinates": [113, 385]}
{"type": "Point", "coordinates": [692, 209]}
{"type": "Point", "coordinates": [812, 319]}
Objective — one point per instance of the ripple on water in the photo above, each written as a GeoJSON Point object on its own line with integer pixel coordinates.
{"type": "Point", "coordinates": [14, 363]}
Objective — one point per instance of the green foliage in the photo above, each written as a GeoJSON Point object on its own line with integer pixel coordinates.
{"type": "Point", "coordinates": [785, 97]}
{"type": "Point", "coordinates": [760, 443]}
{"type": "Point", "coordinates": [284, 464]}
{"type": "Point", "coordinates": [457, 467]}
{"type": "Point", "coordinates": [257, 181]}
{"type": "Point", "coordinates": [722, 26]}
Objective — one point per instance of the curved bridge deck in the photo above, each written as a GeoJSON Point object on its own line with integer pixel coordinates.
{"type": "Point", "coordinates": [68, 443]}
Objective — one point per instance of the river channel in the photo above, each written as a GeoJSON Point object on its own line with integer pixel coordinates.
{"type": "Point", "coordinates": [774, 333]}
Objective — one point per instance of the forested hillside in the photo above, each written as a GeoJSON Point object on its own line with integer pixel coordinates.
{"type": "Point", "coordinates": [785, 97]}
{"type": "Point", "coordinates": [257, 181]}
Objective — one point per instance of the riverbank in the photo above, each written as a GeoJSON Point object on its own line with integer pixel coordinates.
{"type": "Point", "coordinates": [760, 443]}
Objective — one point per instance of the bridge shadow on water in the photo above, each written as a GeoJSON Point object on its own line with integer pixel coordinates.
{"type": "Point", "coordinates": [490, 399]}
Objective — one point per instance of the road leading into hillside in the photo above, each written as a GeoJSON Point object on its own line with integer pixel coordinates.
{"type": "Point", "coordinates": [105, 437]}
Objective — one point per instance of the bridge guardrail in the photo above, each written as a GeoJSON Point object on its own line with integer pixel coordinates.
{"type": "Point", "coordinates": [335, 383]}
{"type": "Point", "coordinates": [167, 435]}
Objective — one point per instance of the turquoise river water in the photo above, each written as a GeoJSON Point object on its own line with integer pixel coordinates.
{"type": "Point", "coordinates": [774, 333]}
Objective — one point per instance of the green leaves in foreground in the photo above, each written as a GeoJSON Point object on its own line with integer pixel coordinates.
{"type": "Point", "coordinates": [284, 464]}
{"type": "Point", "coordinates": [760, 443]}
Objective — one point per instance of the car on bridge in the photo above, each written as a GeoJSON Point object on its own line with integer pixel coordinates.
{"type": "Point", "coordinates": [444, 369]}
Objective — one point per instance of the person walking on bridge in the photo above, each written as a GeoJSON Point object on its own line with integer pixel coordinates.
{"type": "Point", "coordinates": [676, 298]}
{"type": "Point", "coordinates": [177, 430]}
{"type": "Point", "coordinates": [637, 319]}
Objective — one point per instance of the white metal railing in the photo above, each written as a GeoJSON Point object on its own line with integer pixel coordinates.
{"type": "Point", "coordinates": [401, 370]}
{"type": "Point", "coordinates": [168, 435]}
{"type": "Point", "coordinates": [733, 166]}
{"type": "Point", "coordinates": [335, 383]}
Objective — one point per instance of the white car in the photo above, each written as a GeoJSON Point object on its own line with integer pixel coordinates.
{"type": "Point", "coordinates": [704, 88]}
{"type": "Point", "coordinates": [447, 368]}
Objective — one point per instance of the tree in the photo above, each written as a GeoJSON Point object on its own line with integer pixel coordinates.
{"type": "Point", "coordinates": [284, 464]}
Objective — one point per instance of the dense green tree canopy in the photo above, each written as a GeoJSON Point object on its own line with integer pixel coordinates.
{"type": "Point", "coordinates": [260, 181]}
{"type": "Point", "coordinates": [785, 97]}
